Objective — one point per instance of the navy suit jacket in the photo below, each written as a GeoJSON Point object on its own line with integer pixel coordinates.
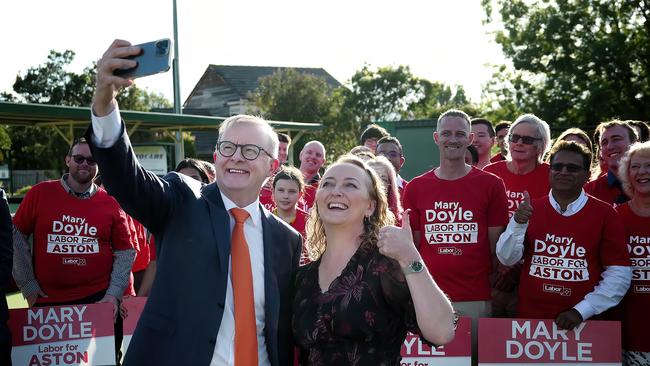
{"type": "Point", "coordinates": [181, 319]}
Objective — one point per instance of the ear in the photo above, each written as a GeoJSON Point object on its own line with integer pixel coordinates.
{"type": "Point", "coordinates": [67, 160]}
{"type": "Point", "coordinates": [471, 137]}
{"type": "Point", "coordinates": [371, 207]}
{"type": "Point", "coordinates": [214, 156]}
{"type": "Point", "coordinates": [275, 163]}
{"type": "Point", "coordinates": [435, 137]}
{"type": "Point", "coordinates": [401, 161]}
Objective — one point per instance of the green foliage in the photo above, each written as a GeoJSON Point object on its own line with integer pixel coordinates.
{"type": "Point", "coordinates": [52, 83]}
{"type": "Point", "coordinates": [22, 191]}
{"type": "Point", "coordinates": [576, 62]}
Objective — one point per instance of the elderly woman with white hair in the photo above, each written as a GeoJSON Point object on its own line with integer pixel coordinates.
{"type": "Point", "coordinates": [524, 170]}
{"type": "Point", "coordinates": [634, 173]}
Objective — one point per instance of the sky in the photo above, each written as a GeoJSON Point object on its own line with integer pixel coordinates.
{"type": "Point", "coordinates": [440, 40]}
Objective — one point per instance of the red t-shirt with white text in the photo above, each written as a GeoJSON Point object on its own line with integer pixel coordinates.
{"type": "Point", "coordinates": [636, 319]}
{"type": "Point", "coordinates": [564, 256]}
{"type": "Point", "coordinates": [74, 239]}
{"type": "Point", "coordinates": [453, 217]}
{"type": "Point", "coordinates": [535, 182]}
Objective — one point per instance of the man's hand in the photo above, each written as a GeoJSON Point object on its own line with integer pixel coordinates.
{"type": "Point", "coordinates": [111, 299]}
{"type": "Point", "coordinates": [108, 85]}
{"type": "Point", "coordinates": [569, 319]}
{"type": "Point", "coordinates": [32, 298]}
{"type": "Point", "coordinates": [397, 242]}
{"type": "Point", "coordinates": [524, 211]}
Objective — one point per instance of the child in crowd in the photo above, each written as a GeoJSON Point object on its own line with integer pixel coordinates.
{"type": "Point", "coordinates": [288, 186]}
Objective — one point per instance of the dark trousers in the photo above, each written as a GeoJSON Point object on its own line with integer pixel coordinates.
{"type": "Point", "coordinates": [119, 331]}
{"type": "Point", "coordinates": [5, 345]}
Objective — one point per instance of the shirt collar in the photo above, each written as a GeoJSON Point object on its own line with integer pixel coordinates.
{"type": "Point", "coordinates": [253, 209]}
{"type": "Point", "coordinates": [573, 207]}
{"type": "Point", "coordinates": [612, 179]}
{"type": "Point", "coordinates": [400, 181]}
{"type": "Point", "coordinates": [83, 195]}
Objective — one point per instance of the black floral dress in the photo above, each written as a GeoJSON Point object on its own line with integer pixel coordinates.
{"type": "Point", "coordinates": [363, 317]}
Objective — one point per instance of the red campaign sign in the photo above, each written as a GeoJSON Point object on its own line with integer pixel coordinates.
{"type": "Point", "coordinates": [519, 341]}
{"type": "Point", "coordinates": [457, 353]}
{"type": "Point", "coordinates": [63, 335]}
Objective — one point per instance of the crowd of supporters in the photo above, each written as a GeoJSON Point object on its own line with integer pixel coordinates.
{"type": "Point", "coordinates": [510, 224]}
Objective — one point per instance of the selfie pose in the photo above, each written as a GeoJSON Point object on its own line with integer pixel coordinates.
{"type": "Point", "coordinates": [367, 285]}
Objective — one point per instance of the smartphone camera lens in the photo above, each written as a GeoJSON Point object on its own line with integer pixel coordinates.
{"type": "Point", "coordinates": [162, 47]}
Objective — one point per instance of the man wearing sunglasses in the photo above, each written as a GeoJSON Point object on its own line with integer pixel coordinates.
{"type": "Point", "coordinates": [576, 263]}
{"type": "Point", "coordinates": [82, 250]}
{"type": "Point", "coordinates": [225, 270]}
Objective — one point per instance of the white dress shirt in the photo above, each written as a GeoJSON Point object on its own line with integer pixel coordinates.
{"type": "Point", "coordinates": [615, 279]}
{"type": "Point", "coordinates": [106, 132]}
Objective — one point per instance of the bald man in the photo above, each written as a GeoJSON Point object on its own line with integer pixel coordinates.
{"type": "Point", "coordinates": [312, 158]}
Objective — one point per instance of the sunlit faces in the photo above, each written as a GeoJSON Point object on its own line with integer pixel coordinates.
{"type": "Point", "coordinates": [282, 152]}
{"type": "Point", "coordinates": [452, 137]}
{"type": "Point", "coordinates": [391, 151]}
{"type": "Point", "coordinates": [236, 176]}
{"type": "Point", "coordinates": [614, 142]}
{"type": "Point", "coordinates": [567, 172]}
{"type": "Point", "coordinates": [482, 140]}
{"type": "Point", "coordinates": [343, 195]}
{"type": "Point", "coordinates": [371, 143]}
{"type": "Point", "coordinates": [82, 173]}
{"type": "Point", "coordinates": [639, 174]}
{"type": "Point", "coordinates": [521, 151]}
{"type": "Point", "coordinates": [286, 194]}
{"type": "Point", "coordinates": [192, 173]}
{"type": "Point", "coordinates": [501, 139]}
{"type": "Point", "coordinates": [312, 158]}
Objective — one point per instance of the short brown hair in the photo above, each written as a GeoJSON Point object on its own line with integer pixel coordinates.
{"type": "Point", "coordinates": [575, 147]}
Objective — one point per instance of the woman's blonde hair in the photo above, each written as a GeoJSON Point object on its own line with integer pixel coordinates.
{"type": "Point", "coordinates": [639, 148]}
{"type": "Point", "coordinates": [316, 241]}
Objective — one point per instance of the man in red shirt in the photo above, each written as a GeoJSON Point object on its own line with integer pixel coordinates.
{"type": "Point", "coordinates": [501, 131]}
{"type": "Point", "coordinates": [575, 260]}
{"type": "Point", "coordinates": [312, 158]}
{"type": "Point", "coordinates": [82, 250]}
{"type": "Point", "coordinates": [457, 214]}
{"type": "Point", "coordinates": [483, 140]}
{"type": "Point", "coordinates": [391, 148]}
{"type": "Point", "coordinates": [615, 138]}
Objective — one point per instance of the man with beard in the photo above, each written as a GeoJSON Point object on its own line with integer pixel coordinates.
{"type": "Point", "coordinates": [312, 158]}
{"type": "Point", "coordinates": [82, 251]}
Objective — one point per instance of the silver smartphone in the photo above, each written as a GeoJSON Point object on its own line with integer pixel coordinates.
{"type": "Point", "coordinates": [155, 57]}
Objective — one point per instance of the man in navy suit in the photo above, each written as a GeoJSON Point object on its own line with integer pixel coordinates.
{"type": "Point", "coordinates": [188, 319]}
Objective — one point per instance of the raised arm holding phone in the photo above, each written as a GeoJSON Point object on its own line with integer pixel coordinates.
{"type": "Point", "coordinates": [215, 299]}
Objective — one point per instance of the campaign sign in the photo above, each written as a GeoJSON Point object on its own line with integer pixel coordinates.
{"type": "Point", "coordinates": [457, 353]}
{"type": "Point", "coordinates": [63, 335]}
{"type": "Point", "coordinates": [528, 341]}
{"type": "Point", "coordinates": [134, 306]}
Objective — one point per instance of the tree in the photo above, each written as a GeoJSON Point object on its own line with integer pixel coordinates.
{"type": "Point", "coordinates": [576, 62]}
{"type": "Point", "coordinates": [52, 83]}
{"type": "Point", "coordinates": [288, 95]}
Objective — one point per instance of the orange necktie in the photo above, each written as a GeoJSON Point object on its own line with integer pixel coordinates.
{"type": "Point", "coordinates": [242, 287]}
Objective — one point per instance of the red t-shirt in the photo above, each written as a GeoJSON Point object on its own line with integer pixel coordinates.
{"type": "Point", "coordinates": [536, 183]}
{"type": "Point", "coordinates": [453, 217]}
{"type": "Point", "coordinates": [565, 256]}
{"type": "Point", "coordinates": [74, 239]}
{"type": "Point", "coordinates": [266, 198]}
{"type": "Point", "coordinates": [497, 157]}
{"type": "Point", "coordinates": [600, 189]}
{"type": "Point", "coordinates": [308, 197]}
{"type": "Point", "coordinates": [636, 320]}
{"type": "Point", "coordinates": [139, 236]}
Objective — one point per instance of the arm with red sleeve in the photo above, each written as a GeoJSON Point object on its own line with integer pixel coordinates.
{"type": "Point", "coordinates": [617, 275]}
{"type": "Point", "coordinates": [123, 255]}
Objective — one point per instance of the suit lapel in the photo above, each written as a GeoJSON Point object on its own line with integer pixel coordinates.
{"type": "Point", "coordinates": [220, 223]}
{"type": "Point", "coordinates": [271, 289]}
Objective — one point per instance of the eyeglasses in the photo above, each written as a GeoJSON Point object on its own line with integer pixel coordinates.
{"type": "Point", "coordinates": [571, 168]}
{"type": "Point", "coordinates": [526, 140]}
{"type": "Point", "coordinates": [390, 154]}
{"type": "Point", "coordinates": [248, 151]}
{"type": "Point", "coordinates": [79, 159]}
